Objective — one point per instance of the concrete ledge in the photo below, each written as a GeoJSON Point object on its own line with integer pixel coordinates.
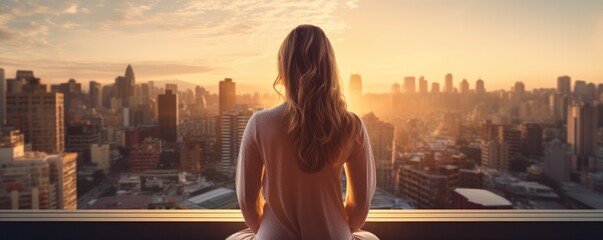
{"type": "Point", "coordinates": [217, 224]}
{"type": "Point", "coordinates": [235, 215]}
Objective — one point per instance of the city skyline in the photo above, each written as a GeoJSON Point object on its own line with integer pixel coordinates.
{"type": "Point", "coordinates": [499, 42]}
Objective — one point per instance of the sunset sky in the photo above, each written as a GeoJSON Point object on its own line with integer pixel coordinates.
{"type": "Point", "coordinates": [383, 40]}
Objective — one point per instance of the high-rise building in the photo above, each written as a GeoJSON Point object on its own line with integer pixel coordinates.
{"type": "Point", "coordinates": [495, 155]}
{"type": "Point", "coordinates": [79, 137]}
{"type": "Point", "coordinates": [564, 85]}
{"type": "Point", "coordinates": [382, 140]}
{"type": "Point", "coordinates": [145, 156]}
{"type": "Point", "coordinates": [435, 87]}
{"type": "Point", "coordinates": [2, 98]}
{"type": "Point", "coordinates": [124, 87]}
{"type": "Point", "coordinates": [106, 95]}
{"type": "Point", "coordinates": [591, 92]}
{"type": "Point", "coordinates": [64, 177]}
{"type": "Point", "coordinates": [582, 133]}
{"type": "Point", "coordinates": [554, 107]}
{"type": "Point", "coordinates": [488, 131]}
{"type": "Point", "coordinates": [531, 138]}
{"type": "Point", "coordinates": [39, 115]}
{"type": "Point", "coordinates": [580, 89]}
{"type": "Point", "coordinates": [409, 85]}
{"type": "Point", "coordinates": [95, 95]}
{"type": "Point", "coordinates": [172, 87]}
{"type": "Point", "coordinates": [26, 182]}
{"type": "Point", "coordinates": [355, 86]}
{"type": "Point", "coordinates": [395, 88]}
{"type": "Point", "coordinates": [168, 116]}
{"type": "Point", "coordinates": [227, 95]}
{"type": "Point", "coordinates": [35, 180]}
{"type": "Point", "coordinates": [480, 87]}
{"type": "Point", "coordinates": [558, 106]}
{"type": "Point", "coordinates": [201, 98]}
{"type": "Point", "coordinates": [73, 98]}
{"type": "Point", "coordinates": [464, 87]}
{"type": "Point", "coordinates": [557, 159]}
{"type": "Point", "coordinates": [422, 85]}
{"type": "Point", "coordinates": [599, 91]}
{"type": "Point", "coordinates": [518, 94]}
{"type": "Point", "coordinates": [510, 135]}
{"type": "Point", "coordinates": [232, 125]}
{"type": "Point", "coordinates": [449, 85]}
{"type": "Point", "coordinates": [190, 155]}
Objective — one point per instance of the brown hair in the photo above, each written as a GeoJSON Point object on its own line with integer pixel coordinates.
{"type": "Point", "coordinates": [319, 124]}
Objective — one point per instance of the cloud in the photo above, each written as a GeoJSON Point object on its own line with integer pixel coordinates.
{"type": "Point", "coordinates": [6, 35]}
{"type": "Point", "coordinates": [351, 4]}
{"type": "Point", "coordinates": [70, 25]}
{"type": "Point", "coordinates": [72, 9]}
{"type": "Point", "coordinates": [221, 32]}
{"type": "Point", "coordinates": [130, 13]}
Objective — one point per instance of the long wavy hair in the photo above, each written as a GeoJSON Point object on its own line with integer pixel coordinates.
{"type": "Point", "coordinates": [319, 124]}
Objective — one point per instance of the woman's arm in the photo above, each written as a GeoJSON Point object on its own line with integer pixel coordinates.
{"type": "Point", "coordinates": [249, 177]}
{"type": "Point", "coordinates": [361, 181]}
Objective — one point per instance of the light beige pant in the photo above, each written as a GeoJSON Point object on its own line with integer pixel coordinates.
{"type": "Point", "coordinates": [247, 234]}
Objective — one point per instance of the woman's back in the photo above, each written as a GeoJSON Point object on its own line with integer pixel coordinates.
{"type": "Point", "coordinates": [292, 156]}
{"type": "Point", "coordinates": [300, 205]}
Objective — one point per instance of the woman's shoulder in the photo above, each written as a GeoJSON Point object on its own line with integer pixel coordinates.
{"type": "Point", "coordinates": [269, 115]}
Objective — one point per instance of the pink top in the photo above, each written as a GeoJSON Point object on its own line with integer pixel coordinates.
{"type": "Point", "coordinates": [280, 201]}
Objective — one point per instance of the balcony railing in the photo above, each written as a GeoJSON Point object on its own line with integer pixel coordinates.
{"type": "Point", "coordinates": [217, 224]}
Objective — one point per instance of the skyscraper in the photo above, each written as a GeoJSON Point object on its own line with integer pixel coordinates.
{"type": "Point", "coordinates": [495, 155]}
{"type": "Point", "coordinates": [582, 133]}
{"type": "Point", "coordinates": [79, 136]}
{"type": "Point", "coordinates": [232, 126]}
{"type": "Point", "coordinates": [557, 160]}
{"type": "Point", "coordinates": [125, 87]}
{"type": "Point", "coordinates": [382, 139]}
{"type": "Point", "coordinates": [558, 106]}
{"type": "Point", "coordinates": [201, 98]}
{"type": "Point", "coordinates": [73, 98]}
{"type": "Point", "coordinates": [355, 86]}
{"type": "Point", "coordinates": [422, 85]}
{"type": "Point", "coordinates": [172, 87]}
{"type": "Point", "coordinates": [94, 93]}
{"type": "Point", "coordinates": [510, 135]}
{"type": "Point", "coordinates": [435, 87]}
{"type": "Point", "coordinates": [449, 85]}
{"type": "Point", "coordinates": [564, 85]}
{"type": "Point", "coordinates": [479, 86]}
{"type": "Point", "coordinates": [464, 87]}
{"type": "Point", "coordinates": [168, 116]}
{"type": "Point", "coordinates": [227, 95]}
{"type": "Point", "coordinates": [409, 85]}
{"type": "Point", "coordinates": [2, 98]}
{"type": "Point", "coordinates": [63, 176]}
{"type": "Point", "coordinates": [531, 138]}
{"type": "Point", "coordinates": [580, 89]}
{"type": "Point", "coordinates": [39, 116]}
{"type": "Point", "coordinates": [35, 180]}
{"type": "Point", "coordinates": [519, 90]}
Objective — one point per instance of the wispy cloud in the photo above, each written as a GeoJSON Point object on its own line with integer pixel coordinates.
{"type": "Point", "coordinates": [72, 9]}
{"type": "Point", "coordinates": [216, 31]}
